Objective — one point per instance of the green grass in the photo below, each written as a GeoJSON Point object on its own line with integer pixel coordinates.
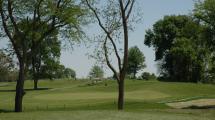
{"type": "Point", "coordinates": [107, 115]}
{"type": "Point", "coordinates": [66, 100]}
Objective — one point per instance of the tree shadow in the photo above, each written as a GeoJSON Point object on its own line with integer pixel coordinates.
{"type": "Point", "coordinates": [6, 111]}
{"type": "Point", "coordinates": [38, 89]}
{"type": "Point", "coordinates": [200, 107]}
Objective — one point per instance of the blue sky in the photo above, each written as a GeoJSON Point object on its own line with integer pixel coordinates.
{"type": "Point", "coordinates": [153, 10]}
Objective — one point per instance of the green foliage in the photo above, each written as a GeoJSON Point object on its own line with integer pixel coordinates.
{"type": "Point", "coordinates": [179, 46]}
{"type": "Point", "coordinates": [205, 12]}
{"type": "Point", "coordinates": [136, 61]}
{"type": "Point", "coordinates": [183, 63]}
{"type": "Point", "coordinates": [52, 70]}
{"type": "Point", "coordinates": [7, 68]}
{"type": "Point", "coordinates": [148, 76]}
{"type": "Point", "coordinates": [164, 33]}
{"type": "Point", "coordinates": [96, 72]}
{"type": "Point", "coordinates": [69, 73]}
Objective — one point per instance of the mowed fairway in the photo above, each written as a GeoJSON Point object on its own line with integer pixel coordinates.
{"type": "Point", "coordinates": [76, 100]}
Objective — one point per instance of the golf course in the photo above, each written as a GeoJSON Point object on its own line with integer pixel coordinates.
{"type": "Point", "coordinates": [107, 60]}
{"type": "Point", "coordinates": [81, 100]}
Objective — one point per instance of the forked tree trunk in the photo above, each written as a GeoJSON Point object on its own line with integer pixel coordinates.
{"type": "Point", "coordinates": [20, 87]}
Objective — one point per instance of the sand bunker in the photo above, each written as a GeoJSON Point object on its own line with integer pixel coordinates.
{"type": "Point", "coordinates": [201, 103]}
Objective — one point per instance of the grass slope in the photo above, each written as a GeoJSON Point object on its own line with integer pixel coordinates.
{"type": "Point", "coordinates": [66, 100]}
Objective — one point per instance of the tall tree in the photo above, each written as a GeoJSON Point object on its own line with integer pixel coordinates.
{"type": "Point", "coordinates": [114, 18]}
{"type": "Point", "coordinates": [64, 15]}
{"type": "Point", "coordinates": [41, 51]}
{"type": "Point", "coordinates": [180, 48]}
{"type": "Point", "coordinates": [49, 50]}
{"type": "Point", "coordinates": [136, 61]}
{"type": "Point", "coordinates": [51, 69]}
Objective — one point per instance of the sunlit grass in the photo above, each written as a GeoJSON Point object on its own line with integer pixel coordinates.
{"type": "Point", "coordinates": [143, 99]}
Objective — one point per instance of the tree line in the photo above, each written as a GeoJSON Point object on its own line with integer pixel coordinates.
{"type": "Point", "coordinates": [49, 69]}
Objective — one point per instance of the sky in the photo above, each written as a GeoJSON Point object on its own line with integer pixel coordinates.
{"type": "Point", "coordinates": [153, 10]}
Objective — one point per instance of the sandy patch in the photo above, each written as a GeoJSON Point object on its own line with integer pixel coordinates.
{"type": "Point", "coordinates": [196, 103]}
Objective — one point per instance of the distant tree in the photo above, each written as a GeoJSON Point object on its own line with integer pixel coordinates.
{"type": "Point", "coordinates": [96, 72]}
{"type": "Point", "coordinates": [69, 73]}
{"type": "Point", "coordinates": [148, 76]}
{"type": "Point", "coordinates": [6, 66]}
{"type": "Point", "coordinates": [153, 76]}
{"type": "Point", "coordinates": [52, 70]}
{"type": "Point", "coordinates": [48, 50]}
{"type": "Point", "coordinates": [136, 61]}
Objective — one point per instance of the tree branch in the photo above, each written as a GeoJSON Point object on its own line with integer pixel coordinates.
{"type": "Point", "coordinates": [127, 4]}
{"type": "Point", "coordinates": [10, 11]}
{"type": "Point", "coordinates": [107, 33]}
{"type": "Point", "coordinates": [130, 9]}
{"type": "Point", "coordinates": [5, 26]}
{"type": "Point", "coordinates": [108, 61]}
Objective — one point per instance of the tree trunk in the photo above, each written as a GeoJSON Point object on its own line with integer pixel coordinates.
{"type": "Point", "coordinates": [36, 71]}
{"type": "Point", "coordinates": [121, 94]}
{"type": "Point", "coordinates": [135, 72]}
{"type": "Point", "coordinates": [34, 74]}
{"type": "Point", "coordinates": [20, 87]}
{"type": "Point", "coordinates": [35, 83]}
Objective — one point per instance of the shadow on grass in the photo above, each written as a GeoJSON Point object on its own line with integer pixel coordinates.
{"type": "Point", "coordinates": [6, 111]}
{"type": "Point", "coordinates": [39, 89]}
{"type": "Point", "coordinates": [200, 107]}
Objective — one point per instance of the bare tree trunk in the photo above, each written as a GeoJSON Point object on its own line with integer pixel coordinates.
{"type": "Point", "coordinates": [34, 73]}
{"type": "Point", "coordinates": [35, 84]}
{"type": "Point", "coordinates": [36, 64]}
{"type": "Point", "coordinates": [20, 87]}
{"type": "Point", "coordinates": [121, 95]}
{"type": "Point", "coordinates": [35, 77]}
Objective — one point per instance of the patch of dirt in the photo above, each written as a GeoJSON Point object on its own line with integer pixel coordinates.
{"type": "Point", "coordinates": [194, 104]}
